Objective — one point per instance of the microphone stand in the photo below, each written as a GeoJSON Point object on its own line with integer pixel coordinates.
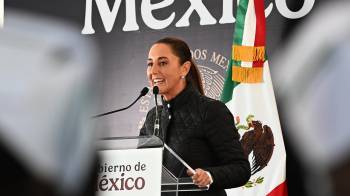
{"type": "Point", "coordinates": [156, 122]}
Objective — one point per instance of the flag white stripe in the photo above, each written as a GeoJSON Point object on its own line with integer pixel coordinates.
{"type": "Point", "coordinates": [249, 30]}
{"type": "Point", "coordinates": [259, 100]}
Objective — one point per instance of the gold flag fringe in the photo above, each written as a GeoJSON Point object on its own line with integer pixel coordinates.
{"type": "Point", "coordinates": [248, 53]}
{"type": "Point", "coordinates": [247, 74]}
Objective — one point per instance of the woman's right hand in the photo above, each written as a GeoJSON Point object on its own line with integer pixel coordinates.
{"type": "Point", "coordinates": [201, 178]}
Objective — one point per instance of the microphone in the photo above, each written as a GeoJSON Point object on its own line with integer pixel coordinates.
{"type": "Point", "coordinates": [143, 92]}
{"type": "Point", "coordinates": [155, 90]}
{"type": "Point", "coordinates": [156, 121]}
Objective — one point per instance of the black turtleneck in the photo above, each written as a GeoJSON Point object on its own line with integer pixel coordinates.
{"type": "Point", "coordinates": [201, 130]}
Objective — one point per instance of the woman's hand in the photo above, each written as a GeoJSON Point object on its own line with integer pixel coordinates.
{"type": "Point", "coordinates": [201, 178]}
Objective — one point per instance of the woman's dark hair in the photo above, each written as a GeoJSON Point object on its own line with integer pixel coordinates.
{"type": "Point", "coordinates": [181, 50]}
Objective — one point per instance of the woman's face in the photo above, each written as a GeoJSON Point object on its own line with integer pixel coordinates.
{"type": "Point", "coordinates": [164, 70]}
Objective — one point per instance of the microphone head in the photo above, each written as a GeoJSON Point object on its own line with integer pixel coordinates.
{"type": "Point", "coordinates": [144, 91]}
{"type": "Point", "coordinates": [155, 90]}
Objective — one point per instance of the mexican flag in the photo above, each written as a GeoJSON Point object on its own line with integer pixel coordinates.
{"type": "Point", "coordinates": [248, 93]}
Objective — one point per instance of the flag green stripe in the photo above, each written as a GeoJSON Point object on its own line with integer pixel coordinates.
{"type": "Point", "coordinates": [240, 21]}
{"type": "Point", "coordinates": [229, 85]}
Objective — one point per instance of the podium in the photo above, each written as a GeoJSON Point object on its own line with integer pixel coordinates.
{"type": "Point", "coordinates": [132, 166]}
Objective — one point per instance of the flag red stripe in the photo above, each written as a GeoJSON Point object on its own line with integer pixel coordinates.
{"type": "Point", "coordinates": [260, 28]}
{"type": "Point", "coordinates": [280, 190]}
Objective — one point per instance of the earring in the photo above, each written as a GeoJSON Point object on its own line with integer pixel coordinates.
{"type": "Point", "coordinates": [182, 77]}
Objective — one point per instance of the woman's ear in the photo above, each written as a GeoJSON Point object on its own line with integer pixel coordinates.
{"type": "Point", "coordinates": [185, 68]}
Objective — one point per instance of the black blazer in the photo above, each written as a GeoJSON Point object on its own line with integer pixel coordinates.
{"type": "Point", "coordinates": [201, 130]}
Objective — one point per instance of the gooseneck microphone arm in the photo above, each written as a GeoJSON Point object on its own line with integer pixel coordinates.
{"type": "Point", "coordinates": [156, 121]}
{"type": "Point", "coordinates": [143, 92]}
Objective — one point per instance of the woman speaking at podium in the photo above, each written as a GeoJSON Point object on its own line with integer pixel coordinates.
{"type": "Point", "coordinates": [199, 129]}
